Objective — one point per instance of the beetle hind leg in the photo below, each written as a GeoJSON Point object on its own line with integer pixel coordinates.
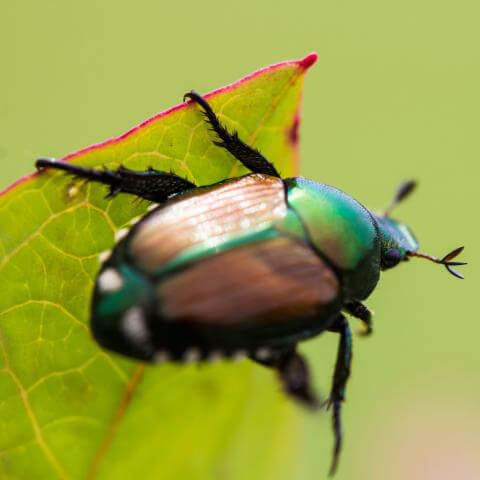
{"type": "Point", "coordinates": [248, 156]}
{"type": "Point", "coordinates": [294, 374]}
{"type": "Point", "coordinates": [154, 185]}
{"type": "Point", "coordinates": [340, 377]}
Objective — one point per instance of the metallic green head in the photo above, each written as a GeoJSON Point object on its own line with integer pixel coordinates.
{"type": "Point", "coordinates": [398, 243]}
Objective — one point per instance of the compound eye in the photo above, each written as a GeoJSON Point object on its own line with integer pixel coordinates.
{"type": "Point", "coordinates": [392, 257]}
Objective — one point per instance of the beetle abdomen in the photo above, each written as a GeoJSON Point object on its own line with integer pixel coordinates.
{"type": "Point", "coordinates": [265, 281]}
{"type": "Point", "coordinates": [215, 269]}
{"type": "Point", "coordinates": [206, 218]}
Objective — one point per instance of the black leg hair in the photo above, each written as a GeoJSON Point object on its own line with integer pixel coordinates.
{"type": "Point", "coordinates": [250, 157]}
{"type": "Point", "coordinates": [153, 185]}
{"type": "Point", "coordinates": [340, 377]}
{"type": "Point", "coordinates": [294, 374]}
{"type": "Point", "coordinates": [361, 311]}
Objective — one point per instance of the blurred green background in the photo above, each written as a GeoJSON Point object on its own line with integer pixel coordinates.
{"type": "Point", "coordinates": [394, 95]}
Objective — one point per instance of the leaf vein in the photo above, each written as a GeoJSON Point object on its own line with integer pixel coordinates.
{"type": "Point", "coordinates": [117, 418]}
{"type": "Point", "coordinates": [33, 420]}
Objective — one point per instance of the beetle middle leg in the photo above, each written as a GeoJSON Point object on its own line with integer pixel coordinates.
{"type": "Point", "coordinates": [154, 185]}
{"type": "Point", "coordinates": [248, 156]}
{"type": "Point", "coordinates": [340, 377]}
{"type": "Point", "coordinates": [361, 311]}
{"type": "Point", "coordinates": [294, 374]}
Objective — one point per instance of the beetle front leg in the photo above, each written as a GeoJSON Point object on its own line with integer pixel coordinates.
{"type": "Point", "coordinates": [361, 311]}
{"type": "Point", "coordinates": [340, 377]}
{"type": "Point", "coordinates": [248, 156]}
{"type": "Point", "coordinates": [154, 185]}
{"type": "Point", "coordinates": [294, 374]}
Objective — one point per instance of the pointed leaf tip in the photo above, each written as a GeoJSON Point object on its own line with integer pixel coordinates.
{"type": "Point", "coordinates": [308, 61]}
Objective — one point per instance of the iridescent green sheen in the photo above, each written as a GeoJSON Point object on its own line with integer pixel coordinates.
{"type": "Point", "coordinates": [111, 305]}
{"type": "Point", "coordinates": [394, 234]}
{"type": "Point", "coordinates": [200, 252]}
{"type": "Point", "coordinates": [292, 225]}
{"type": "Point", "coordinates": [134, 287]}
{"type": "Point", "coordinates": [341, 229]}
{"type": "Point", "coordinates": [339, 226]}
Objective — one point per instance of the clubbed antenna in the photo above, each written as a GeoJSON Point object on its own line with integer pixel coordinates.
{"type": "Point", "coordinates": [445, 261]}
{"type": "Point", "coordinates": [403, 191]}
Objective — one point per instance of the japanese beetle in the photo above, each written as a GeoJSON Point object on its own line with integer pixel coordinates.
{"type": "Point", "coordinates": [248, 266]}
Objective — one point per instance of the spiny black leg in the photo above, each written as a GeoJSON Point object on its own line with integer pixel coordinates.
{"type": "Point", "coordinates": [361, 311]}
{"type": "Point", "coordinates": [340, 377]}
{"type": "Point", "coordinates": [250, 157]}
{"type": "Point", "coordinates": [153, 185]}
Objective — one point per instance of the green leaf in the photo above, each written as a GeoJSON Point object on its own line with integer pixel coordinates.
{"type": "Point", "coordinates": [70, 410]}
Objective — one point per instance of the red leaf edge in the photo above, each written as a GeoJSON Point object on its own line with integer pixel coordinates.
{"type": "Point", "coordinates": [304, 64]}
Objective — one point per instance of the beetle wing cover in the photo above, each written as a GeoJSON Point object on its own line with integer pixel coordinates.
{"type": "Point", "coordinates": [274, 279]}
{"type": "Point", "coordinates": [207, 217]}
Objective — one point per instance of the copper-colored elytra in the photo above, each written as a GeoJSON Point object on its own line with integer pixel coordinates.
{"type": "Point", "coordinates": [210, 215]}
{"type": "Point", "coordinates": [204, 207]}
{"type": "Point", "coordinates": [445, 261]}
{"type": "Point", "coordinates": [266, 281]}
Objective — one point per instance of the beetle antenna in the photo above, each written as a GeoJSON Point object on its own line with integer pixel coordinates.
{"type": "Point", "coordinates": [403, 191]}
{"type": "Point", "coordinates": [445, 261]}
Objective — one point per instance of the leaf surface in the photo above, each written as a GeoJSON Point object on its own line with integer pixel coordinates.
{"type": "Point", "coordinates": [70, 410]}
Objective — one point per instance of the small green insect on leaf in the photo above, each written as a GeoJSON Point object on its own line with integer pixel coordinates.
{"type": "Point", "coordinates": [68, 409]}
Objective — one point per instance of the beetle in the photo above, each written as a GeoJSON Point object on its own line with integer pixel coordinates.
{"type": "Point", "coordinates": [248, 266]}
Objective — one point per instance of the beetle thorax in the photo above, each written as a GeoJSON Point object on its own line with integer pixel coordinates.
{"type": "Point", "coordinates": [341, 230]}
